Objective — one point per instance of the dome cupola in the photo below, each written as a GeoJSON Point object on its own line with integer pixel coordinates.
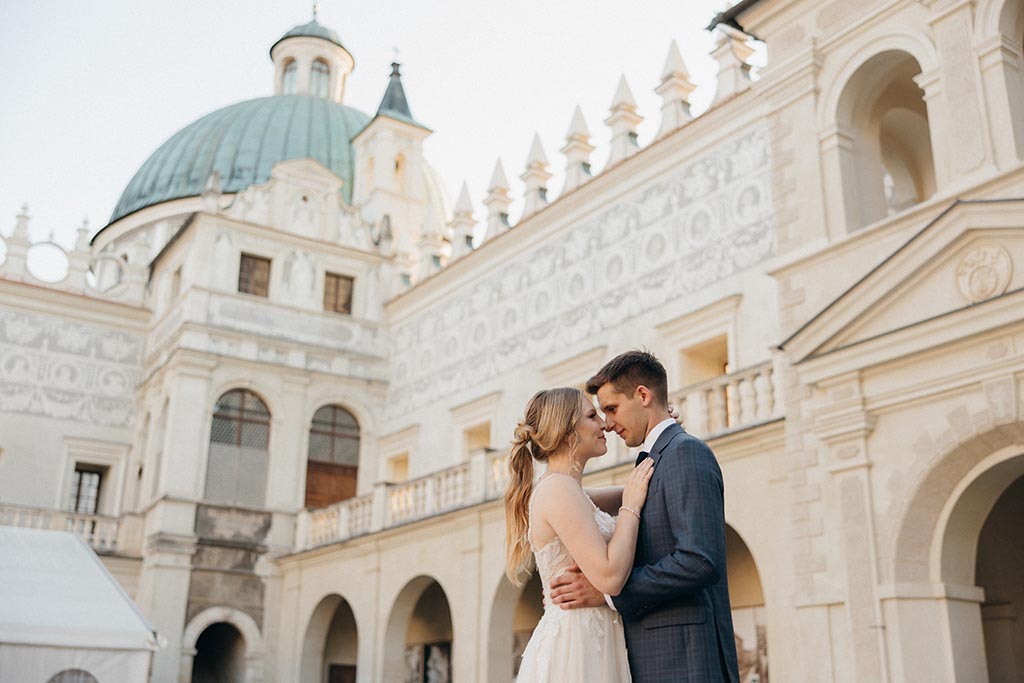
{"type": "Point", "coordinates": [310, 60]}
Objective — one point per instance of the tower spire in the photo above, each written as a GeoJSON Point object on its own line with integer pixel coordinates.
{"type": "Point", "coordinates": [394, 100]}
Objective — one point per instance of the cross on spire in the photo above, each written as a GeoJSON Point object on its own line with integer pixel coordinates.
{"type": "Point", "coordinates": [316, 10]}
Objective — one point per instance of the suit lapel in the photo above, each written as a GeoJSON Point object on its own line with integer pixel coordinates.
{"type": "Point", "coordinates": [664, 439]}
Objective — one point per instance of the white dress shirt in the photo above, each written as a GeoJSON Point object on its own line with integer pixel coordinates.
{"type": "Point", "coordinates": [652, 436]}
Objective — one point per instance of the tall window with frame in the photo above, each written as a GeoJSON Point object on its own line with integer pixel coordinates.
{"type": "Point", "coordinates": [291, 71]}
{"type": "Point", "coordinates": [333, 457]}
{"type": "Point", "coordinates": [236, 472]}
{"type": "Point", "coordinates": [85, 489]}
{"type": "Point", "coordinates": [338, 293]}
{"type": "Point", "coordinates": [254, 275]}
{"type": "Point", "coordinates": [320, 79]}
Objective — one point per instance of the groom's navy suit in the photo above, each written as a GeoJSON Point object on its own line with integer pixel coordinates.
{"type": "Point", "coordinates": [675, 603]}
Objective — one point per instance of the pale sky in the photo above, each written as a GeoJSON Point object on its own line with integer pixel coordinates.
{"type": "Point", "coordinates": [93, 87]}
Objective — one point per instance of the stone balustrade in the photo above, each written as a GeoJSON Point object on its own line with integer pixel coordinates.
{"type": "Point", "coordinates": [721, 405]}
{"type": "Point", "coordinates": [105, 534]}
{"type": "Point", "coordinates": [479, 479]}
{"type": "Point", "coordinates": [731, 402]}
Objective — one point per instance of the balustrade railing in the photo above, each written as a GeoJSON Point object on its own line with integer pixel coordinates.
{"type": "Point", "coordinates": [718, 406]}
{"type": "Point", "coordinates": [99, 531]}
{"type": "Point", "coordinates": [735, 401]}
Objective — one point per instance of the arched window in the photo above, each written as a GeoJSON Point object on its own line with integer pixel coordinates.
{"type": "Point", "coordinates": [333, 457]}
{"type": "Point", "coordinates": [291, 69]}
{"type": "Point", "coordinates": [320, 79]}
{"type": "Point", "coordinates": [73, 676]}
{"type": "Point", "coordinates": [886, 160]}
{"type": "Point", "coordinates": [236, 473]}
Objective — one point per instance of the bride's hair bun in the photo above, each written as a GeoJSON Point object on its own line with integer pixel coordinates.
{"type": "Point", "coordinates": [524, 433]}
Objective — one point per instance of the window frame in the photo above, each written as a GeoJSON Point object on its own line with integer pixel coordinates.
{"type": "Point", "coordinates": [237, 417]}
{"type": "Point", "coordinates": [334, 435]}
{"type": "Point", "coordinates": [290, 77]}
{"type": "Point", "coordinates": [248, 256]}
{"type": "Point", "coordinates": [103, 455]}
{"type": "Point", "coordinates": [328, 276]}
{"type": "Point", "coordinates": [320, 80]}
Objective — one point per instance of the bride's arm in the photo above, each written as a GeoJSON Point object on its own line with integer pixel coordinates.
{"type": "Point", "coordinates": [608, 498]}
{"type": "Point", "coordinates": [568, 512]}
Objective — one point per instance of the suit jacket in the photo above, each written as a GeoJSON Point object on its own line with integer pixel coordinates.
{"type": "Point", "coordinates": [675, 603]}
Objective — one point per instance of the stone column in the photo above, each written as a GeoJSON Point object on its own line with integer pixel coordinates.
{"type": "Point", "coordinates": [963, 146]}
{"type": "Point", "coordinates": [799, 160]}
{"type": "Point", "coordinates": [843, 427]}
{"type": "Point", "coordinates": [162, 596]}
{"type": "Point", "coordinates": [1001, 75]}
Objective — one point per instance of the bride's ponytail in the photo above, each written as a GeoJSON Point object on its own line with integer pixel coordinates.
{"type": "Point", "coordinates": [517, 503]}
{"type": "Point", "coordinates": [551, 417]}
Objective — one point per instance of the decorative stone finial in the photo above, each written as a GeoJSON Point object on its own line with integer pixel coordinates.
{"type": "Point", "coordinates": [675, 90]}
{"type": "Point", "coordinates": [623, 121]}
{"type": "Point", "coordinates": [462, 225]}
{"type": "Point", "coordinates": [82, 236]}
{"type": "Point", "coordinates": [536, 177]}
{"type": "Point", "coordinates": [497, 202]}
{"type": "Point", "coordinates": [732, 53]}
{"type": "Point", "coordinates": [21, 223]}
{"type": "Point", "coordinates": [577, 151]}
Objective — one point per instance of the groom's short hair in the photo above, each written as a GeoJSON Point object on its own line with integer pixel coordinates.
{"type": "Point", "coordinates": [629, 370]}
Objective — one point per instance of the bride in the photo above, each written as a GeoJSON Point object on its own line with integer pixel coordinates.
{"type": "Point", "coordinates": [561, 526]}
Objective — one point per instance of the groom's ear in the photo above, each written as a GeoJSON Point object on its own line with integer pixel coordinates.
{"type": "Point", "coordinates": [645, 395]}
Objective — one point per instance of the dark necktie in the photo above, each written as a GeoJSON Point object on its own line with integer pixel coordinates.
{"type": "Point", "coordinates": [641, 456]}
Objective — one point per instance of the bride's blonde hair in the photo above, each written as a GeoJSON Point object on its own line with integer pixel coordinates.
{"type": "Point", "coordinates": [551, 417]}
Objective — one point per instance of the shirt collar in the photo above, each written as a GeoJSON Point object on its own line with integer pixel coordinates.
{"type": "Point", "coordinates": [652, 436]}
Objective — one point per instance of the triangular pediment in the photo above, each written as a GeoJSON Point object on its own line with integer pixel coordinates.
{"type": "Point", "coordinates": [972, 254]}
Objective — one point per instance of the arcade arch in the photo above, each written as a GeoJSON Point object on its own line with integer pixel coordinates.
{"type": "Point", "coordinates": [330, 647]}
{"type": "Point", "coordinates": [418, 637]}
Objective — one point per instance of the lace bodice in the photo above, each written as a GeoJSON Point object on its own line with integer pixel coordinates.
{"type": "Point", "coordinates": [553, 558]}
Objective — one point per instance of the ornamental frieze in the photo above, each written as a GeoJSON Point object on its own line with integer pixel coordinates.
{"type": "Point", "coordinates": [699, 225]}
{"type": "Point", "coordinates": [67, 370]}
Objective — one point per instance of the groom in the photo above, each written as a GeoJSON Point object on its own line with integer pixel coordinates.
{"type": "Point", "coordinates": [675, 604]}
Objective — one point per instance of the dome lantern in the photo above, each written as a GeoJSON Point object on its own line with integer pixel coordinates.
{"type": "Point", "coordinates": [310, 60]}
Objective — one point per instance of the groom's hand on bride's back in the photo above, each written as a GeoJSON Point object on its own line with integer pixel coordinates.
{"type": "Point", "coordinates": [571, 590]}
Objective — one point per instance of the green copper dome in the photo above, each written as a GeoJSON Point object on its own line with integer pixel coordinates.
{"type": "Point", "coordinates": [242, 142]}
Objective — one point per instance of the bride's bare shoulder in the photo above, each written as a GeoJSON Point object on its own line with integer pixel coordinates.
{"type": "Point", "coordinates": [554, 488]}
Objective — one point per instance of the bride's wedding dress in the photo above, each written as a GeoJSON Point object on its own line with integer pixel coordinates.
{"type": "Point", "coordinates": [584, 645]}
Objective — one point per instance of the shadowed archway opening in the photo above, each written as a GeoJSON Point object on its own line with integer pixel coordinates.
{"type": "Point", "coordinates": [220, 655]}
{"type": "Point", "coordinates": [418, 641]}
{"type": "Point", "coordinates": [515, 613]}
{"type": "Point", "coordinates": [999, 569]}
{"type": "Point", "coordinates": [330, 649]}
{"type": "Point", "coordinates": [748, 610]}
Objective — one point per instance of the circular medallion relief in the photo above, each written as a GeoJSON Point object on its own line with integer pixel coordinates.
{"type": "Point", "coordinates": [984, 272]}
{"type": "Point", "coordinates": [656, 247]}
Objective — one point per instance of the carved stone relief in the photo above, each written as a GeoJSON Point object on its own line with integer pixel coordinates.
{"type": "Point", "coordinates": [67, 370]}
{"type": "Point", "coordinates": [710, 219]}
{"type": "Point", "coordinates": [984, 272]}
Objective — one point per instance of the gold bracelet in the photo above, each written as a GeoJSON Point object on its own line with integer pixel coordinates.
{"type": "Point", "coordinates": [630, 510]}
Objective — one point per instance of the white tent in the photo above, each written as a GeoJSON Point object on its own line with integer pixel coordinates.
{"type": "Point", "coordinates": [63, 617]}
